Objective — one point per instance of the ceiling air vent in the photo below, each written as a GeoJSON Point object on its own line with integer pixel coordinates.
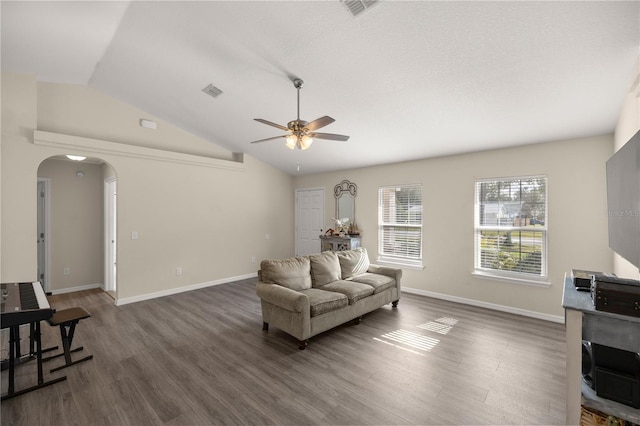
{"type": "Point", "coordinates": [212, 90]}
{"type": "Point", "coordinates": [357, 7]}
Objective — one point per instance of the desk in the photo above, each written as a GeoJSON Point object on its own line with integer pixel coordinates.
{"type": "Point", "coordinates": [583, 322]}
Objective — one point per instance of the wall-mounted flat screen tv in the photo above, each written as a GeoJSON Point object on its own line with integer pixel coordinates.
{"type": "Point", "coordinates": [623, 200]}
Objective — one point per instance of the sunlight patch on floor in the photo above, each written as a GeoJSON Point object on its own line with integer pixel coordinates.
{"type": "Point", "coordinates": [436, 327]}
{"type": "Point", "coordinates": [397, 346]}
{"type": "Point", "coordinates": [442, 325]}
{"type": "Point", "coordinates": [412, 339]}
{"type": "Point", "coordinates": [447, 320]}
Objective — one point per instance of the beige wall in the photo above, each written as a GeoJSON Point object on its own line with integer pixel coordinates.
{"type": "Point", "coordinates": [577, 220]}
{"type": "Point", "coordinates": [209, 220]}
{"type": "Point", "coordinates": [114, 121]}
{"type": "Point", "coordinates": [76, 220]}
{"type": "Point", "coordinates": [628, 125]}
{"type": "Point", "coordinates": [20, 162]}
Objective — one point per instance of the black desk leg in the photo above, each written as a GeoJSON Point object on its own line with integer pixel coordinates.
{"type": "Point", "coordinates": [12, 356]}
{"type": "Point", "coordinates": [38, 338]}
{"type": "Point", "coordinates": [14, 343]}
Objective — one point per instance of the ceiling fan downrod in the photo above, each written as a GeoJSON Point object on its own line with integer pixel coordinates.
{"type": "Point", "coordinates": [297, 83]}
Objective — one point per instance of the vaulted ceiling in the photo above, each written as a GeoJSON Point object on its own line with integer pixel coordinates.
{"type": "Point", "coordinates": [405, 79]}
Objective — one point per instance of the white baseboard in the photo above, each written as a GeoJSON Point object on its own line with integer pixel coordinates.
{"type": "Point", "coordinates": [169, 292]}
{"type": "Point", "coordinates": [78, 288]}
{"type": "Point", "coordinates": [495, 307]}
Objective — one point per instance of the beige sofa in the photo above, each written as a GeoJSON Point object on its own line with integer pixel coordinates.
{"type": "Point", "coordinates": [307, 295]}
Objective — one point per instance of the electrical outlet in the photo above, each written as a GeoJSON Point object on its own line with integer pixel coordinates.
{"type": "Point", "coordinates": [134, 235]}
{"type": "Point", "coordinates": [66, 271]}
{"type": "Point", "coordinates": [253, 259]}
{"type": "Point", "coordinates": [267, 236]}
{"type": "Point", "coordinates": [179, 270]}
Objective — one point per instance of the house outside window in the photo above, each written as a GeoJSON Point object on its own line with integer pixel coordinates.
{"type": "Point", "coordinates": [400, 225]}
{"type": "Point", "coordinates": [511, 228]}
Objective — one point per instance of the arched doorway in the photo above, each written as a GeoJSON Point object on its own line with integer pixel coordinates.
{"type": "Point", "coordinates": [77, 216]}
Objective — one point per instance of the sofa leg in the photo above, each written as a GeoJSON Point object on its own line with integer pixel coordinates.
{"type": "Point", "coordinates": [265, 326]}
{"type": "Point", "coordinates": [395, 303]}
{"type": "Point", "coordinates": [303, 344]}
{"type": "Point", "coordinates": [358, 320]}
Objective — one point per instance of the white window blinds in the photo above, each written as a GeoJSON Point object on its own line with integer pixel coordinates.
{"type": "Point", "coordinates": [400, 224]}
{"type": "Point", "coordinates": [511, 226]}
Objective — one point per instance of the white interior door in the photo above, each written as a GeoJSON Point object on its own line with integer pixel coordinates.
{"type": "Point", "coordinates": [309, 220]}
{"type": "Point", "coordinates": [43, 232]}
{"type": "Point", "coordinates": [110, 204]}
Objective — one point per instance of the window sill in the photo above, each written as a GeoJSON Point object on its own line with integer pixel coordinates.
{"type": "Point", "coordinates": [542, 282]}
{"type": "Point", "coordinates": [416, 265]}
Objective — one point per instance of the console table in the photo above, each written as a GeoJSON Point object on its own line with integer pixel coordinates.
{"type": "Point", "coordinates": [337, 243]}
{"type": "Point", "coordinates": [583, 322]}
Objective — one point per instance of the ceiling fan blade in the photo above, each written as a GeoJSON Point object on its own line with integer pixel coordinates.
{"type": "Point", "coordinates": [330, 136]}
{"type": "Point", "coordinates": [318, 123]}
{"type": "Point", "coordinates": [286, 129]}
{"type": "Point", "coordinates": [270, 139]}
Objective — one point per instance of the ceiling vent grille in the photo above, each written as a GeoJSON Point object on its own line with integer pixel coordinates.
{"type": "Point", "coordinates": [358, 7]}
{"type": "Point", "coordinates": [212, 91]}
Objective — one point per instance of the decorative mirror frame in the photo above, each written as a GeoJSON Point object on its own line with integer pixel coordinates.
{"type": "Point", "coordinates": [343, 188]}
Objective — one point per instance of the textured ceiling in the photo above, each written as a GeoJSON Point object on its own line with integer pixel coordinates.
{"type": "Point", "coordinates": [405, 80]}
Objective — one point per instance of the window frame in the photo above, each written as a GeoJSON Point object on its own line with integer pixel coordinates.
{"type": "Point", "coordinates": [394, 259]}
{"type": "Point", "coordinates": [519, 277]}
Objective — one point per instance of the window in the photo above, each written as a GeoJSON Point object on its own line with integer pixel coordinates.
{"type": "Point", "coordinates": [400, 225]}
{"type": "Point", "coordinates": [511, 228]}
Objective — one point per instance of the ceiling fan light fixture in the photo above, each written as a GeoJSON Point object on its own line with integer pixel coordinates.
{"type": "Point", "coordinates": [305, 142]}
{"type": "Point", "coordinates": [291, 141]}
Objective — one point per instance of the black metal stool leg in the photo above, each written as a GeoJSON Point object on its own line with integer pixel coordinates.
{"type": "Point", "coordinates": [66, 345]}
{"type": "Point", "coordinates": [67, 340]}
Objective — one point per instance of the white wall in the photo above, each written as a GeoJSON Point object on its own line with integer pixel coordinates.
{"type": "Point", "coordinates": [209, 220]}
{"type": "Point", "coordinates": [628, 125]}
{"type": "Point", "coordinates": [577, 219]}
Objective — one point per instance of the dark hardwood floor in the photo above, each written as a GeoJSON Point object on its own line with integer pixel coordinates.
{"type": "Point", "coordinates": [201, 358]}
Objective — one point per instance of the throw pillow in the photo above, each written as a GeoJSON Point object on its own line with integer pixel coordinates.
{"type": "Point", "coordinates": [353, 262]}
{"type": "Point", "coordinates": [293, 273]}
{"type": "Point", "coordinates": [325, 268]}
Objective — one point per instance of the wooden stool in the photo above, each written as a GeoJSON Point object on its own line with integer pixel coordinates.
{"type": "Point", "coordinates": [67, 319]}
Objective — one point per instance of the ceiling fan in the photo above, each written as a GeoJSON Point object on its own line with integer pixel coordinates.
{"type": "Point", "coordinates": [300, 133]}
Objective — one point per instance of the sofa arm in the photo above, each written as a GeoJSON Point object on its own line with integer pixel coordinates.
{"type": "Point", "coordinates": [386, 270]}
{"type": "Point", "coordinates": [282, 297]}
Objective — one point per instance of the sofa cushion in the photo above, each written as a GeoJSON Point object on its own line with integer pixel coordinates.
{"type": "Point", "coordinates": [325, 268]}
{"type": "Point", "coordinates": [321, 301]}
{"type": "Point", "coordinates": [353, 262]}
{"type": "Point", "coordinates": [379, 282]}
{"type": "Point", "coordinates": [293, 273]}
{"type": "Point", "coordinates": [353, 290]}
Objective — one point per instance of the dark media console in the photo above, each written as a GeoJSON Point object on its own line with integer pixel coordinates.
{"type": "Point", "coordinates": [613, 373]}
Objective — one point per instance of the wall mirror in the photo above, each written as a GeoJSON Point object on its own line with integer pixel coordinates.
{"type": "Point", "coordinates": [345, 193]}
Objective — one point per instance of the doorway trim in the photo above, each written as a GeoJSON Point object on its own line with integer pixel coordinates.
{"type": "Point", "coordinates": [46, 219]}
{"type": "Point", "coordinates": [110, 233]}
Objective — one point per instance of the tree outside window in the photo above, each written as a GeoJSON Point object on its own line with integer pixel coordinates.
{"type": "Point", "coordinates": [511, 226]}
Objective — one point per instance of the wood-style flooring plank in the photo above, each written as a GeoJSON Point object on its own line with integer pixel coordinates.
{"type": "Point", "coordinates": [201, 358]}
